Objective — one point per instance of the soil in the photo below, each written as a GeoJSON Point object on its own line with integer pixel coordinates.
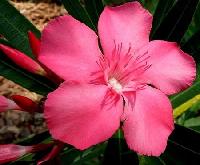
{"type": "Point", "coordinates": [16, 125]}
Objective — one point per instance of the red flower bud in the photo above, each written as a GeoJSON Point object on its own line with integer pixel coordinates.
{"type": "Point", "coordinates": [22, 60]}
{"type": "Point", "coordinates": [34, 43]}
{"type": "Point", "coordinates": [26, 104]}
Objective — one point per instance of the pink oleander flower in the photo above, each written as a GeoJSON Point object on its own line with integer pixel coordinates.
{"type": "Point", "coordinates": [126, 82]}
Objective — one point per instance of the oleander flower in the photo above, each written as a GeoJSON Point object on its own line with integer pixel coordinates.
{"type": "Point", "coordinates": [127, 82]}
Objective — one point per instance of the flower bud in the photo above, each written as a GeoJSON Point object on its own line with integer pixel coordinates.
{"type": "Point", "coordinates": [26, 104]}
{"type": "Point", "coordinates": [11, 152]}
{"type": "Point", "coordinates": [22, 60]}
{"type": "Point", "coordinates": [34, 43]}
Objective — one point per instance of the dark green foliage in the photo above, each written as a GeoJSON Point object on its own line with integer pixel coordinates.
{"type": "Point", "coordinates": [78, 11]}
{"type": "Point", "coordinates": [14, 27]}
{"type": "Point", "coordinates": [176, 22]}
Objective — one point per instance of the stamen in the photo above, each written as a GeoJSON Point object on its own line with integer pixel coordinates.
{"type": "Point", "coordinates": [119, 68]}
{"type": "Point", "coordinates": [115, 85]}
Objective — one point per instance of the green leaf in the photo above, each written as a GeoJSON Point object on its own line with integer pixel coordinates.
{"type": "Point", "coordinates": [176, 154]}
{"type": "Point", "coordinates": [149, 160]}
{"type": "Point", "coordinates": [161, 11]}
{"type": "Point", "coordinates": [115, 2]}
{"type": "Point", "coordinates": [90, 154]}
{"type": "Point", "coordinates": [35, 139]}
{"type": "Point", "coordinates": [117, 152]}
{"type": "Point", "coordinates": [26, 79]}
{"type": "Point", "coordinates": [14, 27]}
{"type": "Point", "coordinates": [69, 155]}
{"type": "Point", "coordinates": [78, 11]}
{"type": "Point", "coordinates": [5, 42]}
{"type": "Point", "coordinates": [186, 95]}
{"type": "Point", "coordinates": [194, 25]}
{"type": "Point", "coordinates": [190, 113]}
{"type": "Point", "coordinates": [94, 9]}
{"type": "Point", "coordinates": [183, 148]}
{"type": "Point", "coordinates": [73, 156]}
{"type": "Point", "coordinates": [175, 24]}
{"type": "Point", "coordinates": [186, 139]}
{"type": "Point", "coordinates": [192, 46]}
{"type": "Point", "coordinates": [192, 122]}
{"type": "Point", "coordinates": [150, 5]}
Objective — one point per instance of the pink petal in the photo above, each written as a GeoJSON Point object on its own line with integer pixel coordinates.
{"type": "Point", "coordinates": [129, 24]}
{"type": "Point", "coordinates": [148, 125]}
{"type": "Point", "coordinates": [82, 115]}
{"type": "Point", "coordinates": [6, 104]}
{"type": "Point", "coordinates": [69, 48]}
{"type": "Point", "coordinates": [172, 70]}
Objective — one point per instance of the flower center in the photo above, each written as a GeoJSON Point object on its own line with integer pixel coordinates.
{"type": "Point", "coordinates": [115, 85]}
{"type": "Point", "coordinates": [122, 69]}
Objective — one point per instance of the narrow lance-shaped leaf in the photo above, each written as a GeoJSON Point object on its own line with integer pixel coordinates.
{"type": "Point", "coordinates": [175, 24]}
{"type": "Point", "coordinates": [75, 8]}
{"type": "Point", "coordinates": [192, 46]}
{"type": "Point", "coordinates": [117, 151]}
{"type": "Point", "coordinates": [94, 8]}
{"type": "Point", "coordinates": [5, 42]}
{"type": "Point", "coordinates": [150, 5]}
{"type": "Point", "coordinates": [192, 122]}
{"type": "Point", "coordinates": [149, 160]}
{"type": "Point", "coordinates": [185, 95]}
{"type": "Point", "coordinates": [194, 26]}
{"type": "Point", "coordinates": [183, 147]}
{"type": "Point", "coordinates": [190, 141]}
{"type": "Point", "coordinates": [162, 10]}
{"type": "Point", "coordinates": [14, 27]}
{"type": "Point", "coordinates": [116, 2]}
